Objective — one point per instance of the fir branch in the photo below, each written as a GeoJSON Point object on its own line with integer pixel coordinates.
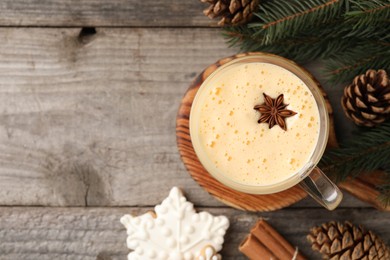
{"type": "Point", "coordinates": [302, 48]}
{"type": "Point", "coordinates": [367, 150]}
{"type": "Point", "coordinates": [366, 55]}
{"type": "Point", "coordinates": [242, 37]}
{"type": "Point", "coordinates": [369, 18]}
{"type": "Point", "coordinates": [380, 33]}
{"type": "Point", "coordinates": [282, 19]}
{"type": "Point", "coordinates": [368, 12]}
{"type": "Point", "coordinates": [300, 13]}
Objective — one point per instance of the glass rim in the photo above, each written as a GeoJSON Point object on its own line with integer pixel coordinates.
{"type": "Point", "coordinates": [318, 151]}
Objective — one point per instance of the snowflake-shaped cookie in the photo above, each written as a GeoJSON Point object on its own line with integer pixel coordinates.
{"type": "Point", "coordinates": [174, 231]}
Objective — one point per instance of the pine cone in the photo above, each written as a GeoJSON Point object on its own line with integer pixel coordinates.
{"type": "Point", "coordinates": [346, 241]}
{"type": "Point", "coordinates": [367, 100]}
{"type": "Point", "coordinates": [231, 12]}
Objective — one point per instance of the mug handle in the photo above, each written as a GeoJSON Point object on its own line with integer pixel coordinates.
{"type": "Point", "coordinates": [323, 190]}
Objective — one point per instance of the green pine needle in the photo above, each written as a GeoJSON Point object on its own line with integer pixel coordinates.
{"type": "Point", "coordinates": [365, 13]}
{"type": "Point", "coordinates": [301, 48]}
{"type": "Point", "coordinates": [369, 19]}
{"type": "Point", "coordinates": [281, 19]}
{"type": "Point", "coordinates": [366, 55]}
{"type": "Point", "coordinates": [365, 151]}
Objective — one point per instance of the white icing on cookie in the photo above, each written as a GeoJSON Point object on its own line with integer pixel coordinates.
{"type": "Point", "coordinates": [176, 232]}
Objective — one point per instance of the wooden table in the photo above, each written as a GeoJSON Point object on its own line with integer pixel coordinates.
{"type": "Point", "coordinates": [87, 127]}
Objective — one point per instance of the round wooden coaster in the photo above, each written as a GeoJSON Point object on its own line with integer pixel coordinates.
{"type": "Point", "coordinates": [225, 194]}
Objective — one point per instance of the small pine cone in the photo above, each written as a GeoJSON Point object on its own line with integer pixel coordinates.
{"type": "Point", "coordinates": [335, 240]}
{"type": "Point", "coordinates": [367, 100]}
{"type": "Point", "coordinates": [231, 12]}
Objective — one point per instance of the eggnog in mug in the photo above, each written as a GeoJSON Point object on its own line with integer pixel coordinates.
{"type": "Point", "coordinates": [238, 150]}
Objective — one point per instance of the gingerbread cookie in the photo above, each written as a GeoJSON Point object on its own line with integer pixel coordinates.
{"type": "Point", "coordinates": [175, 231]}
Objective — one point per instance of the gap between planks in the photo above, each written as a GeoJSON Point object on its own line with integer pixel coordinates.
{"type": "Point", "coordinates": [86, 233]}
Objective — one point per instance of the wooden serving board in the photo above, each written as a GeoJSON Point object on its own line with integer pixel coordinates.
{"type": "Point", "coordinates": [223, 193]}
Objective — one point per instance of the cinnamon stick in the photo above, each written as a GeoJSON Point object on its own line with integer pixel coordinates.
{"type": "Point", "coordinates": [365, 188]}
{"type": "Point", "coordinates": [253, 249]}
{"type": "Point", "coordinates": [264, 242]}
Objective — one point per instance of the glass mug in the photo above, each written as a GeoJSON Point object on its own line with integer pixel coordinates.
{"type": "Point", "coordinates": [309, 176]}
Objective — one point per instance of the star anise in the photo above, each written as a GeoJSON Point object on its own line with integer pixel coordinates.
{"type": "Point", "coordinates": [273, 111]}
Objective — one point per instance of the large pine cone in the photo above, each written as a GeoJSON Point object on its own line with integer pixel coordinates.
{"type": "Point", "coordinates": [367, 100]}
{"type": "Point", "coordinates": [231, 12]}
{"type": "Point", "coordinates": [337, 241]}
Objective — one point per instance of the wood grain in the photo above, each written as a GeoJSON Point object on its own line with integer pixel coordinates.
{"type": "Point", "coordinates": [95, 233]}
{"type": "Point", "coordinates": [120, 13]}
{"type": "Point", "coordinates": [94, 123]}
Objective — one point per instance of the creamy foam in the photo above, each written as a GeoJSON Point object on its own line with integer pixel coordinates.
{"type": "Point", "coordinates": [243, 150]}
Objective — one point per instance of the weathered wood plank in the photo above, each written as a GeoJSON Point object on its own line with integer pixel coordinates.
{"type": "Point", "coordinates": [94, 123]}
{"type": "Point", "coordinates": [95, 233]}
{"type": "Point", "coordinates": [177, 13]}
{"type": "Point", "coordinates": [91, 121]}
